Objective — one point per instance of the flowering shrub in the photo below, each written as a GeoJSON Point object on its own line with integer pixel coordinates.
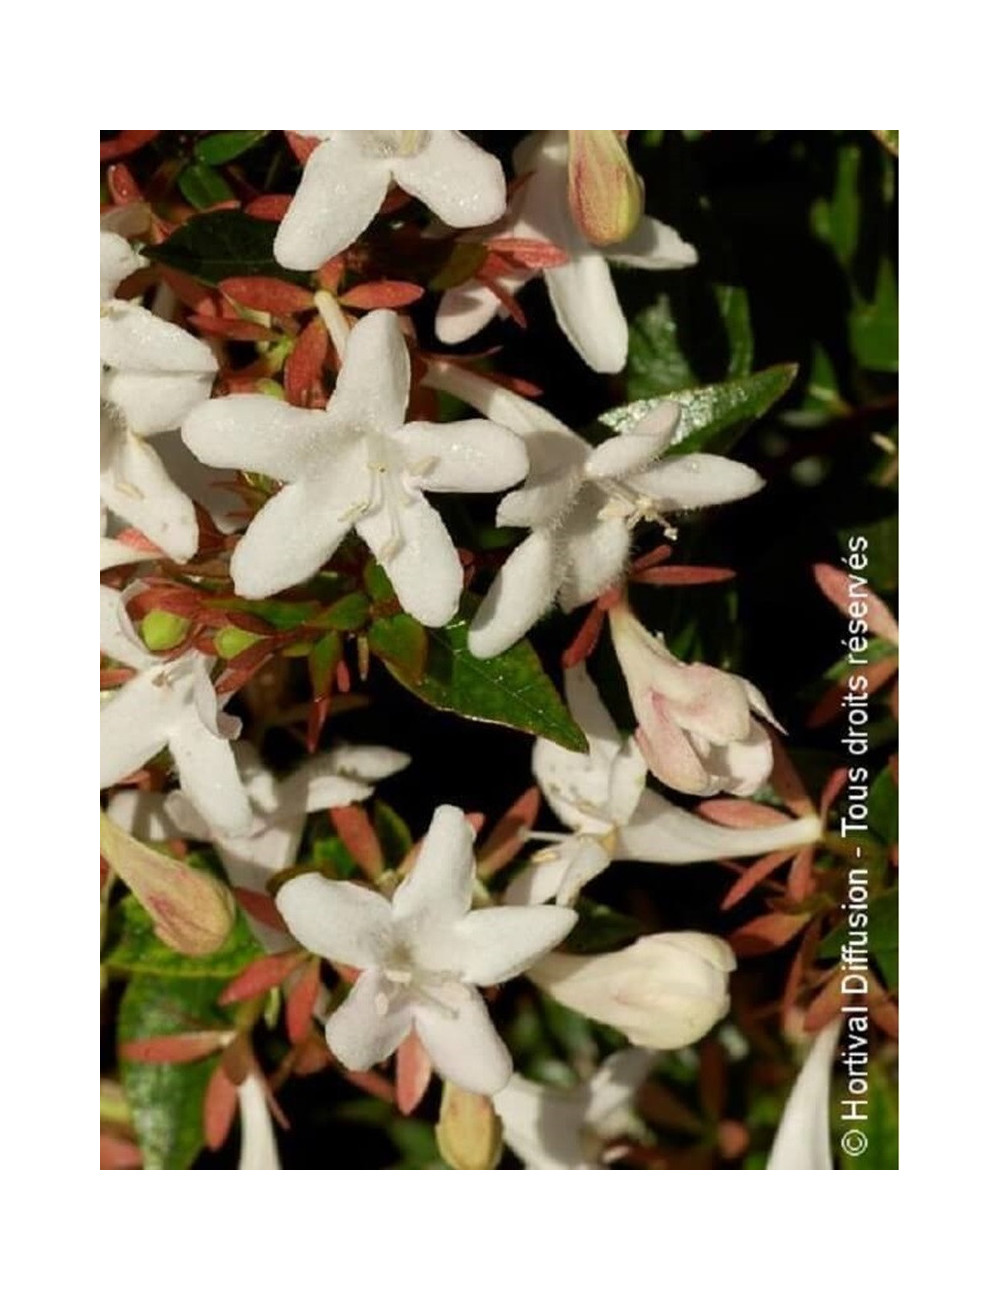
{"type": "Point", "coordinates": [498, 705]}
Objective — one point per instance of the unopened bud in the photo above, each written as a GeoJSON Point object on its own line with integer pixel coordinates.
{"type": "Point", "coordinates": [163, 631]}
{"type": "Point", "coordinates": [605, 194]}
{"type": "Point", "coordinates": [469, 1134]}
{"type": "Point", "coordinates": [231, 641]}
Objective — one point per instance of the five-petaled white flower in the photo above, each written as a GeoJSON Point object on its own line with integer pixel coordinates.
{"type": "Point", "coordinates": [152, 374]}
{"type": "Point", "coordinates": [347, 175]}
{"type": "Point", "coordinates": [170, 702]}
{"type": "Point", "coordinates": [581, 289]}
{"type": "Point", "coordinates": [696, 728]}
{"type": "Point", "coordinates": [280, 806]}
{"type": "Point", "coordinates": [420, 957]}
{"type": "Point", "coordinates": [803, 1137]}
{"type": "Point", "coordinates": [355, 465]}
{"type": "Point", "coordinates": [581, 503]}
{"type": "Point", "coordinates": [568, 1128]}
{"type": "Point", "coordinates": [602, 797]}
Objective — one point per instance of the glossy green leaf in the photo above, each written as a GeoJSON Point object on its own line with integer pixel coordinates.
{"type": "Point", "coordinates": [347, 614]}
{"type": "Point", "coordinates": [657, 361]}
{"type": "Point", "coordinates": [166, 1100]}
{"type": "Point", "coordinates": [882, 930]}
{"type": "Point", "coordinates": [713, 417]}
{"type": "Point", "coordinates": [401, 643]}
{"type": "Point", "coordinates": [136, 950]}
{"type": "Point", "coordinates": [202, 186]}
{"type": "Point", "coordinates": [224, 146]}
{"type": "Point", "coordinates": [219, 245]}
{"type": "Point", "coordinates": [883, 808]}
{"type": "Point", "coordinates": [511, 689]}
{"type": "Point", "coordinates": [600, 929]}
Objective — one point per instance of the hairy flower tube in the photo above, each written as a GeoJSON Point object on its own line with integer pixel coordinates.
{"type": "Point", "coordinates": [602, 796]}
{"type": "Point", "coordinates": [347, 175]}
{"type": "Point", "coordinates": [421, 956]}
{"type": "Point", "coordinates": [581, 504]}
{"type": "Point", "coordinates": [696, 729]}
{"type": "Point", "coordinates": [664, 990]}
{"type": "Point", "coordinates": [172, 703]}
{"type": "Point", "coordinates": [152, 374]}
{"type": "Point", "coordinates": [355, 465]}
{"type": "Point", "coordinates": [581, 290]}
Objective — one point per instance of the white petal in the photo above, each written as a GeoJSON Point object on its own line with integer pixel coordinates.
{"type": "Point", "coordinates": [368, 762]}
{"type": "Point", "coordinates": [136, 487]}
{"type": "Point", "coordinates": [118, 638]}
{"type": "Point", "coordinates": [439, 886]}
{"type": "Point", "coordinates": [134, 726]}
{"type": "Point", "coordinates": [209, 486]}
{"type": "Point", "coordinates": [586, 307]}
{"type": "Point", "coordinates": [660, 832]}
{"type": "Point", "coordinates": [497, 403]}
{"type": "Point", "coordinates": [296, 532]}
{"type": "Point", "coordinates": [521, 593]}
{"type": "Point", "coordinates": [263, 434]}
{"type": "Point", "coordinates": [542, 1126]}
{"type": "Point", "coordinates": [556, 459]}
{"type": "Point", "coordinates": [118, 260]}
{"type": "Point", "coordinates": [596, 552]}
{"type": "Point", "coordinates": [803, 1137]}
{"type": "Point", "coordinates": [468, 309]}
{"type": "Point", "coordinates": [340, 192]}
{"type": "Point", "coordinates": [653, 246]}
{"type": "Point", "coordinates": [616, 1083]}
{"type": "Point", "coordinates": [409, 540]}
{"type": "Point", "coordinates": [498, 943]}
{"type": "Point", "coordinates": [142, 814]}
{"type": "Point", "coordinates": [154, 403]}
{"type": "Point", "coordinates": [258, 1148]}
{"type": "Point", "coordinates": [362, 1032]}
{"type": "Point", "coordinates": [132, 338]}
{"type": "Point", "coordinates": [464, 456]}
{"type": "Point", "coordinates": [688, 482]}
{"type": "Point", "coordinates": [336, 919]}
{"type": "Point", "coordinates": [463, 1045]}
{"type": "Point", "coordinates": [744, 765]}
{"type": "Point", "coordinates": [459, 182]}
{"type": "Point", "coordinates": [627, 453]}
{"type": "Point", "coordinates": [250, 860]}
{"type": "Point", "coordinates": [542, 878]}
{"type": "Point", "coordinates": [207, 772]}
{"type": "Point", "coordinates": [373, 389]}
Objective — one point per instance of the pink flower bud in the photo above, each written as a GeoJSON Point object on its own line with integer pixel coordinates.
{"type": "Point", "coordinates": [605, 194]}
{"type": "Point", "coordinates": [696, 729]}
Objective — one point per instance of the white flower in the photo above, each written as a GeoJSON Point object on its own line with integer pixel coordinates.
{"type": "Point", "coordinates": [581, 504]}
{"type": "Point", "coordinates": [803, 1137]}
{"type": "Point", "coordinates": [696, 728]}
{"type": "Point", "coordinates": [258, 1148]}
{"type": "Point", "coordinates": [152, 374]}
{"type": "Point", "coordinates": [581, 290]}
{"type": "Point", "coordinates": [664, 990]}
{"type": "Point", "coordinates": [346, 178]}
{"type": "Point", "coordinates": [602, 797]}
{"type": "Point", "coordinates": [420, 957]}
{"type": "Point", "coordinates": [566, 1128]}
{"type": "Point", "coordinates": [280, 808]}
{"type": "Point", "coordinates": [355, 465]}
{"type": "Point", "coordinates": [173, 703]}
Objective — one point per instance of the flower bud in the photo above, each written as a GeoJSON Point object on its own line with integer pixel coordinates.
{"type": "Point", "coordinates": [469, 1134]}
{"type": "Point", "coordinates": [695, 729]}
{"type": "Point", "coordinates": [605, 194]}
{"type": "Point", "coordinates": [663, 991]}
{"type": "Point", "coordinates": [162, 630]}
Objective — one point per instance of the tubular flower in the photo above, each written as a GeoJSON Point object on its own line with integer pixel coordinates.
{"type": "Point", "coordinates": [663, 991]}
{"type": "Point", "coordinates": [280, 808]}
{"type": "Point", "coordinates": [421, 956]}
{"type": "Point", "coordinates": [581, 504]}
{"type": "Point", "coordinates": [696, 728]}
{"type": "Point", "coordinates": [602, 797]}
{"type": "Point", "coordinates": [346, 178]}
{"type": "Point", "coordinates": [258, 1148]}
{"type": "Point", "coordinates": [152, 374]}
{"type": "Point", "coordinates": [173, 703]}
{"type": "Point", "coordinates": [803, 1137]}
{"type": "Point", "coordinates": [555, 1128]}
{"type": "Point", "coordinates": [355, 465]}
{"type": "Point", "coordinates": [581, 290]}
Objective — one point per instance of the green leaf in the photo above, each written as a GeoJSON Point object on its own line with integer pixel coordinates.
{"type": "Point", "coordinates": [166, 1100]}
{"type": "Point", "coordinates": [401, 643]}
{"type": "Point", "coordinates": [883, 936]}
{"type": "Point", "coordinates": [875, 325]}
{"type": "Point", "coordinates": [218, 245]}
{"type": "Point", "coordinates": [393, 833]}
{"type": "Point", "coordinates": [224, 146]}
{"type": "Point", "coordinates": [734, 307]}
{"type": "Point", "coordinates": [880, 1127]}
{"type": "Point", "coordinates": [656, 364]}
{"type": "Point", "coordinates": [599, 929]}
{"type": "Point", "coordinates": [347, 614]}
{"type": "Point", "coordinates": [883, 808]}
{"type": "Point", "coordinates": [511, 689]}
{"type": "Point", "coordinates": [203, 187]}
{"type": "Point", "coordinates": [713, 418]}
{"type": "Point", "coordinates": [136, 949]}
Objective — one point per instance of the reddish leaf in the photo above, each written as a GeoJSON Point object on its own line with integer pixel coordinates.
{"type": "Point", "coordinates": [844, 590]}
{"type": "Point", "coordinates": [242, 667]}
{"type": "Point", "coordinates": [261, 907]}
{"type": "Point", "coordinates": [382, 293]}
{"type": "Point", "coordinates": [126, 143]}
{"type": "Point", "coordinates": [801, 882]}
{"type": "Point", "coordinates": [122, 185]}
{"type": "Point", "coordinates": [191, 293]}
{"type": "Point", "coordinates": [833, 787]}
{"type": "Point", "coordinates": [682, 575]}
{"type": "Point", "coordinates": [301, 145]}
{"type": "Point", "coordinates": [655, 556]}
{"type": "Point", "coordinates": [732, 1138]}
{"type": "Point", "coordinates": [532, 254]}
{"type": "Point", "coordinates": [263, 974]}
{"type": "Point", "coordinates": [825, 1006]}
{"type": "Point", "coordinates": [787, 783]}
{"type": "Point", "coordinates": [765, 933]}
{"type": "Point", "coordinates": [582, 645]}
{"type": "Point", "coordinates": [300, 1001]}
{"type": "Point", "coordinates": [330, 273]}
{"type": "Point", "coordinates": [741, 813]}
{"type": "Point", "coordinates": [508, 836]}
{"type": "Point", "coordinates": [269, 207]}
{"type": "Point", "coordinates": [354, 827]}
{"type": "Point", "coordinates": [373, 1083]}
{"type": "Point", "coordinates": [219, 1108]}
{"type": "Point", "coordinates": [304, 367]}
{"type": "Point", "coordinates": [243, 331]}
{"type": "Point", "coordinates": [263, 293]}
{"type": "Point", "coordinates": [119, 1153]}
{"type": "Point", "coordinates": [884, 1011]}
{"type": "Point", "coordinates": [413, 1073]}
{"type": "Point", "coordinates": [138, 541]}
{"type": "Point", "coordinates": [507, 300]}
{"type": "Point", "coordinates": [754, 875]}
{"type": "Point", "coordinates": [173, 1049]}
